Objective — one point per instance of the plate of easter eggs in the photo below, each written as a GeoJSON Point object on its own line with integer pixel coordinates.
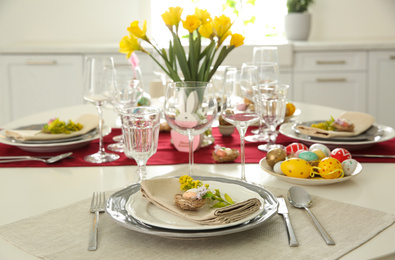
{"type": "Point", "coordinates": [314, 165]}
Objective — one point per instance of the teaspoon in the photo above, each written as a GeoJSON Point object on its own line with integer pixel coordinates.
{"type": "Point", "coordinates": [300, 198]}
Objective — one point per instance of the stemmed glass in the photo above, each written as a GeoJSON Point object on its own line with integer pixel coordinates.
{"type": "Point", "coordinates": [239, 85]}
{"type": "Point", "coordinates": [190, 108]}
{"type": "Point", "coordinates": [128, 92]}
{"type": "Point", "coordinates": [272, 102]}
{"type": "Point", "coordinates": [268, 73]}
{"type": "Point", "coordinates": [264, 55]}
{"type": "Point", "coordinates": [98, 81]}
{"type": "Point", "coordinates": [140, 128]}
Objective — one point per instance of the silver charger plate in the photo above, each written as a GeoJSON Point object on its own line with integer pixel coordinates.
{"type": "Point", "coordinates": [117, 211]}
{"type": "Point", "coordinates": [55, 146]}
{"type": "Point", "coordinates": [387, 134]}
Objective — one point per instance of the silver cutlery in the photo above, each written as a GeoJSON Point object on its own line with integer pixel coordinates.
{"type": "Point", "coordinates": [283, 210]}
{"type": "Point", "coordinates": [53, 159]}
{"type": "Point", "coordinates": [97, 206]}
{"type": "Point", "coordinates": [300, 198]}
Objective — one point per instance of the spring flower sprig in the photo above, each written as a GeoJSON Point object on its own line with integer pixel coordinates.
{"type": "Point", "coordinates": [201, 62]}
{"type": "Point", "coordinates": [188, 183]}
{"type": "Point", "coordinates": [55, 126]}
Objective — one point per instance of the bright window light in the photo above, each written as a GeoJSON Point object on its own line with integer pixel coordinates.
{"type": "Point", "coordinates": [257, 20]}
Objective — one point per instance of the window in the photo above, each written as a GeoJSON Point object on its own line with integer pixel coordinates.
{"type": "Point", "coordinates": [258, 20]}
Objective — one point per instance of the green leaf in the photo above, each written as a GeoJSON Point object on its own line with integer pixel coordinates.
{"type": "Point", "coordinates": [218, 205]}
{"type": "Point", "coordinates": [181, 57]}
{"type": "Point", "coordinates": [229, 199]}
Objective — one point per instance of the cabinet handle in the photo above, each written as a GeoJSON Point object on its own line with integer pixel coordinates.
{"type": "Point", "coordinates": [392, 57]}
{"type": "Point", "coordinates": [332, 80]}
{"type": "Point", "coordinates": [330, 62]}
{"type": "Point", "coordinates": [40, 62]}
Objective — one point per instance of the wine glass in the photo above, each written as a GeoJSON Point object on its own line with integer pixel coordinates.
{"type": "Point", "coordinates": [128, 92]}
{"type": "Point", "coordinates": [190, 108]}
{"type": "Point", "coordinates": [98, 81]}
{"type": "Point", "coordinates": [140, 128]}
{"type": "Point", "coordinates": [262, 55]}
{"type": "Point", "coordinates": [272, 102]}
{"type": "Point", "coordinates": [237, 89]}
{"type": "Point", "coordinates": [268, 73]}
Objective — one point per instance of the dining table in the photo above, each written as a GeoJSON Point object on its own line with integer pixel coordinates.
{"type": "Point", "coordinates": [45, 207]}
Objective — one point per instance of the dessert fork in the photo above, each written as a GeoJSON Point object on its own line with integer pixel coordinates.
{"type": "Point", "coordinates": [97, 206]}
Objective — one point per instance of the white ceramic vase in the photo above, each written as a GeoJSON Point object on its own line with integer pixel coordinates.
{"type": "Point", "coordinates": [297, 26]}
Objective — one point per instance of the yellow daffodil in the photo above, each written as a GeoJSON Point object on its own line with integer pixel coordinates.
{"type": "Point", "coordinates": [191, 23]}
{"type": "Point", "coordinates": [172, 17]}
{"type": "Point", "coordinates": [136, 31]}
{"type": "Point", "coordinates": [206, 30]}
{"type": "Point", "coordinates": [203, 15]}
{"type": "Point", "coordinates": [200, 62]}
{"type": "Point", "coordinates": [222, 25]}
{"type": "Point", "coordinates": [128, 45]}
{"type": "Point", "coordinates": [237, 40]}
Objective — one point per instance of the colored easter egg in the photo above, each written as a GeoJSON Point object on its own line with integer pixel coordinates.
{"type": "Point", "coordinates": [308, 156]}
{"type": "Point", "coordinates": [320, 154]}
{"type": "Point", "coordinates": [341, 154]}
{"type": "Point", "coordinates": [349, 166]}
{"type": "Point", "coordinates": [330, 168]}
{"type": "Point", "coordinates": [321, 147]}
{"type": "Point", "coordinates": [277, 167]}
{"type": "Point", "coordinates": [296, 168]}
{"type": "Point", "coordinates": [294, 147]}
{"type": "Point", "coordinates": [275, 155]}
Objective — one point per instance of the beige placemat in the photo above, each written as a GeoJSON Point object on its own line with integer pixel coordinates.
{"type": "Point", "coordinates": [63, 234]}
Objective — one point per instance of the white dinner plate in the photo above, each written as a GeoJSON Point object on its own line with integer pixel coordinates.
{"type": "Point", "coordinates": [56, 146]}
{"type": "Point", "coordinates": [146, 212]}
{"type": "Point", "coordinates": [311, 182]}
{"type": "Point", "coordinates": [387, 133]}
{"type": "Point", "coordinates": [116, 209]}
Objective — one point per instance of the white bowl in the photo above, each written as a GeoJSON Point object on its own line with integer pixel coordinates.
{"type": "Point", "coordinates": [226, 130]}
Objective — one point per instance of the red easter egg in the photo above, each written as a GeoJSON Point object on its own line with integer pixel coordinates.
{"type": "Point", "coordinates": [294, 147]}
{"type": "Point", "coordinates": [340, 154]}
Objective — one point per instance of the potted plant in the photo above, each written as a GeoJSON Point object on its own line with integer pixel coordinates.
{"type": "Point", "coordinates": [298, 20]}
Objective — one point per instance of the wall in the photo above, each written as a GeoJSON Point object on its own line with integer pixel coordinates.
{"type": "Point", "coordinates": [335, 20]}
{"type": "Point", "coordinates": [106, 20]}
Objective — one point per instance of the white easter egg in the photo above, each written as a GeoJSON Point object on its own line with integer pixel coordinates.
{"type": "Point", "coordinates": [321, 147]}
{"type": "Point", "coordinates": [349, 166]}
{"type": "Point", "coordinates": [277, 167]}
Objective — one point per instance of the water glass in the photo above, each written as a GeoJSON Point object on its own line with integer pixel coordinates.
{"type": "Point", "coordinates": [140, 128]}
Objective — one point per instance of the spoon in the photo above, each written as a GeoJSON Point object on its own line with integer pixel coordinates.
{"type": "Point", "coordinates": [31, 158]}
{"type": "Point", "coordinates": [300, 198]}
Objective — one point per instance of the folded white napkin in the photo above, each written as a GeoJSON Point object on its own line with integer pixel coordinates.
{"type": "Point", "coordinates": [361, 122]}
{"type": "Point", "coordinates": [88, 121]}
{"type": "Point", "coordinates": [161, 193]}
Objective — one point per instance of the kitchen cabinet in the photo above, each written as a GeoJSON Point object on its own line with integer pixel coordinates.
{"type": "Point", "coordinates": [36, 83]}
{"type": "Point", "coordinates": [334, 79]}
{"type": "Point", "coordinates": [382, 86]}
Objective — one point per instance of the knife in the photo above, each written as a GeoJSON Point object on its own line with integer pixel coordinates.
{"type": "Point", "coordinates": [283, 210]}
{"type": "Point", "coordinates": [373, 155]}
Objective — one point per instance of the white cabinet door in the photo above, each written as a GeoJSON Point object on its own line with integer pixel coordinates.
{"type": "Point", "coordinates": [382, 86]}
{"type": "Point", "coordinates": [35, 83]}
{"type": "Point", "coordinates": [345, 91]}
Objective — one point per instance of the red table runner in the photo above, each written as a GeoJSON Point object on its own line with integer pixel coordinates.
{"type": "Point", "coordinates": [167, 154]}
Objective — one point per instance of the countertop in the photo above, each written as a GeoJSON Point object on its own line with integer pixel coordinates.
{"type": "Point", "coordinates": [108, 47]}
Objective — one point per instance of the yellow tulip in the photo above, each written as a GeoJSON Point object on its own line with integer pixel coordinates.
{"type": "Point", "coordinates": [237, 40]}
{"type": "Point", "coordinates": [172, 17]}
{"type": "Point", "coordinates": [136, 31]}
{"type": "Point", "coordinates": [203, 15]}
{"type": "Point", "coordinates": [206, 30]}
{"type": "Point", "coordinates": [128, 45]}
{"type": "Point", "coordinates": [191, 23]}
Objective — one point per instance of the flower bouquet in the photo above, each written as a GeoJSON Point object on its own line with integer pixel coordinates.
{"type": "Point", "coordinates": [200, 62]}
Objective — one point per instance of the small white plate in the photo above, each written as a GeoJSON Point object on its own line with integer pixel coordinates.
{"type": "Point", "coordinates": [53, 147]}
{"type": "Point", "coordinates": [146, 212]}
{"type": "Point", "coordinates": [311, 182]}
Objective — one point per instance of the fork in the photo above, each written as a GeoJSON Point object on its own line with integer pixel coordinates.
{"type": "Point", "coordinates": [97, 207]}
